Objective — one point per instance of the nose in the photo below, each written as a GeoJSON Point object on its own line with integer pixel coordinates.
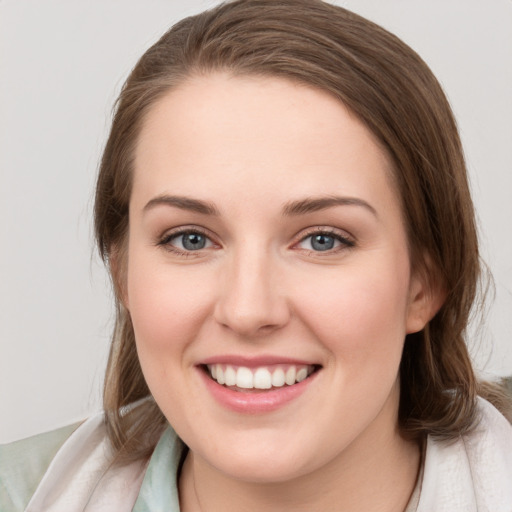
{"type": "Point", "coordinates": [251, 301]}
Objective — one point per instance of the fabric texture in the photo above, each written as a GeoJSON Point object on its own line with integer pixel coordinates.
{"type": "Point", "coordinates": [471, 474]}
{"type": "Point", "coordinates": [23, 464]}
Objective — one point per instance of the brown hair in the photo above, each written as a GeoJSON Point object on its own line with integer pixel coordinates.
{"type": "Point", "coordinates": [389, 87]}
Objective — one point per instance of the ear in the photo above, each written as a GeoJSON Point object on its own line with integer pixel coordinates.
{"type": "Point", "coordinates": [426, 296]}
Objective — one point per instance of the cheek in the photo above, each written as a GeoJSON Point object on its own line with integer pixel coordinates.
{"type": "Point", "coordinates": [166, 306]}
{"type": "Point", "coordinates": [360, 316]}
{"type": "Point", "coordinates": [168, 309]}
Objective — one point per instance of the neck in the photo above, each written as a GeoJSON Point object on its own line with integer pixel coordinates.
{"type": "Point", "coordinates": [379, 477]}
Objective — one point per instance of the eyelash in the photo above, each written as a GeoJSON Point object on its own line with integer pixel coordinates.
{"type": "Point", "coordinates": [345, 242]}
{"type": "Point", "coordinates": [165, 241]}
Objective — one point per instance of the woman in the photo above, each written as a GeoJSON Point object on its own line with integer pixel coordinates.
{"type": "Point", "coordinates": [284, 208]}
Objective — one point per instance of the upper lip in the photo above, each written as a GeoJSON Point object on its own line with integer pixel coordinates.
{"type": "Point", "coordinates": [255, 361]}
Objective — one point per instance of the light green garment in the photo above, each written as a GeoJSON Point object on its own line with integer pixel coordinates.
{"type": "Point", "coordinates": [159, 492]}
{"type": "Point", "coordinates": [23, 465]}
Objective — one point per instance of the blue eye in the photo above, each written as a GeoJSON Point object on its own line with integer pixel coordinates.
{"type": "Point", "coordinates": [322, 242]}
{"type": "Point", "coordinates": [187, 241]}
{"type": "Point", "coordinates": [193, 241]}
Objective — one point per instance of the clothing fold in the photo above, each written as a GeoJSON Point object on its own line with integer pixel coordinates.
{"type": "Point", "coordinates": [471, 474]}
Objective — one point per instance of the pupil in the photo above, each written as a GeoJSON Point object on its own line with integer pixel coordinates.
{"type": "Point", "coordinates": [322, 242]}
{"type": "Point", "coordinates": [193, 241]}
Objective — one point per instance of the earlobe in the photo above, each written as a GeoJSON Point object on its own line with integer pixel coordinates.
{"type": "Point", "coordinates": [425, 299]}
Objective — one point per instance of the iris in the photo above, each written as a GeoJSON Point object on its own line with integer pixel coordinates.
{"type": "Point", "coordinates": [322, 242]}
{"type": "Point", "coordinates": [193, 241]}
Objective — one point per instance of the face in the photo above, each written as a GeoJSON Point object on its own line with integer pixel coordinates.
{"type": "Point", "coordinates": [268, 276]}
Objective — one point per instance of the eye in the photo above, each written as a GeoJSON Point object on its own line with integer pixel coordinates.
{"type": "Point", "coordinates": [322, 241]}
{"type": "Point", "coordinates": [186, 241]}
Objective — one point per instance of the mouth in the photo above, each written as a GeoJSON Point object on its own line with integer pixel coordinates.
{"type": "Point", "coordinates": [261, 378]}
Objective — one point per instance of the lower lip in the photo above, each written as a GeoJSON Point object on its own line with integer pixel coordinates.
{"type": "Point", "coordinates": [255, 402]}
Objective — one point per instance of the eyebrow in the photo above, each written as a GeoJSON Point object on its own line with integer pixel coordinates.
{"type": "Point", "coordinates": [315, 204]}
{"type": "Point", "coordinates": [184, 203]}
{"type": "Point", "coordinates": [293, 208]}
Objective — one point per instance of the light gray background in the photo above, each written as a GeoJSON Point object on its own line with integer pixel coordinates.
{"type": "Point", "coordinates": [61, 66]}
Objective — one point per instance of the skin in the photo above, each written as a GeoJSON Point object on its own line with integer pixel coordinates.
{"type": "Point", "coordinates": [249, 146]}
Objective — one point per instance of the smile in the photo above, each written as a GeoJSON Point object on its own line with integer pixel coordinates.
{"type": "Point", "coordinates": [243, 378]}
{"type": "Point", "coordinates": [257, 385]}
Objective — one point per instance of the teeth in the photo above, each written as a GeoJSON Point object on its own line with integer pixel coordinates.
{"type": "Point", "coordinates": [259, 378]}
{"type": "Point", "coordinates": [262, 379]}
{"type": "Point", "coordinates": [278, 378]}
{"type": "Point", "coordinates": [229, 376]}
{"type": "Point", "coordinates": [301, 375]}
{"type": "Point", "coordinates": [290, 375]}
{"type": "Point", "coordinates": [244, 378]}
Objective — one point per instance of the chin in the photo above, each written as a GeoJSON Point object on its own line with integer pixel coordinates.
{"type": "Point", "coordinates": [262, 471]}
{"type": "Point", "coordinates": [264, 463]}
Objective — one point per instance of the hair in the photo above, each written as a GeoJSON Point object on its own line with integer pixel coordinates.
{"type": "Point", "coordinates": [394, 93]}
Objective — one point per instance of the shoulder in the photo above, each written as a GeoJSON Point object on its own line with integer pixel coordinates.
{"type": "Point", "coordinates": [489, 452]}
{"type": "Point", "coordinates": [23, 464]}
{"type": "Point", "coordinates": [472, 473]}
{"type": "Point", "coordinates": [71, 469]}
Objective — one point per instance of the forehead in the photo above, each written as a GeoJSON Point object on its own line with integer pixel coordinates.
{"type": "Point", "coordinates": [262, 136]}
